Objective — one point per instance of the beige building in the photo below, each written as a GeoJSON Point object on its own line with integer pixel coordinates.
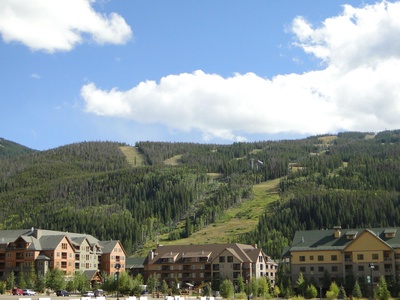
{"type": "Point", "coordinates": [193, 265]}
{"type": "Point", "coordinates": [48, 249]}
{"type": "Point", "coordinates": [344, 252]}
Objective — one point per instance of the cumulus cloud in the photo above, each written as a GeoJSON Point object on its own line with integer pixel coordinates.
{"type": "Point", "coordinates": [358, 87]}
{"type": "Point", "coordinates": [60, 25]}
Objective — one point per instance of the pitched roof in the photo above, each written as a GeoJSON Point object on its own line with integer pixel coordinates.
{"type": "Point", "coordinates": [211, 251]}
{"type": "Point", "coordinates": [8, 236]}
{"type": "Point", "coordinates": [325, 239]}
{"type": "Point", "coordinates": [108, 246]}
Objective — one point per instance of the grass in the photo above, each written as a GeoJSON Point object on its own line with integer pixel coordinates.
{"type": "Point", "coordinates": [133, 156]}
{"type": "Point", "coordinates": [235, 221]}
{"type": "Point", "coordinates": [173, 161]}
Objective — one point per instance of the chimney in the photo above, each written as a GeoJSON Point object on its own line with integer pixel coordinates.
{"type": "Point", "coordinates": [338, 231]}
{"type": "Point", "coordinates": [37, 233]}
{"type": "Point", "coordinates": [151, 255]}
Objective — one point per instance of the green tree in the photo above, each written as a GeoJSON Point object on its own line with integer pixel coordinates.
{"type": "Point", "coordinates": [277, 291]}
{"type": "Point", "coordinates": [136, 285]}
{"type": "Point", "coordinates": [125, 282]}
{"type": "Point", "coordinates": [2, 287]}
{"type": "Point", "coordinates": [31, 278]}
{"type": "Point", "coordinates": [21, 280]}
{"type": "Point", "coordinates": [152, 283]}
{"type": "Point", "coordinates": [382, 290]}
{"type": "Point", "coordinates": [70, 286]}
{"type": "Point", "coordinates": [263, 288]}
{"type": "Point", "coordinates": [301, 284]}
{"type": "Point", "coordinates": [333, 291]}
{"type": "Point", "coordinates": [164, 287]}
{"type": "Point", "coordinates": [240, 284]}
{"type": "Point", "coordinates": [356, 292]}
{"type": "Point", "coordinates": [253, 287]}
{"type": "Point", "coordinates": [81, 283]}
{"type": "Point", "coordinates": [175, 287]}
{"type": "Point", "coordinates": [40, 284]}
{"type": "Point", "coordinates": [342, 293]}
{"type": "Point", "coordinates": [10, 282]}
{"type": "Point", "coordinates": [311, 292]}
{"type": "Point", "coordinates": [55, 279]}
{"type": "Point", "coordinates": [226, 289]}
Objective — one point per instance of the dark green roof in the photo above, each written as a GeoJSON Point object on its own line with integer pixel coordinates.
{"type": "Point", "coordinates": [325, 239]}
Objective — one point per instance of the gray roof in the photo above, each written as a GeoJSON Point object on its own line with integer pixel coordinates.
{"type": "Point", "coordinates": [8, 236]}
{"type": "Point", "coordinates": [108, 246]}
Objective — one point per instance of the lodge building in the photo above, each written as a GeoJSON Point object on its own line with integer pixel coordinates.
{"type": "Point", "coordinates": [194, 265]}
{"type": "Point", "coordinates": [69, 252]}
{"type": "Point", "coordinates": [344, 252]}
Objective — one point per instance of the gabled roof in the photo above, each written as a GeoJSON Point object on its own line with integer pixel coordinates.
{"type": "Point", "coordinates": [50, 242]}
{"type": "Point", "coordinates": [34, 243]}
{"type": "Point", "coordinates": [9, 236]}
{"type": "Point", "coordinates": [211, 251]}
{"type": "Point", "coordinates": [108, 246]}
{"type": "Point", "coordinates": [325, 239]}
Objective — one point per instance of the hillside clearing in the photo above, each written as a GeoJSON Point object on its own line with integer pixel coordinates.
{"type": "Point", "coordinates": [133, 156]}
{"type": "Point", "coordinates": [235, 221]}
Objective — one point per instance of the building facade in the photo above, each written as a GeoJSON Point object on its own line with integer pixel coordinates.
{"type": "Point", "coordinates": [363, 254]}
{"type": "Point", "coordinates": [194, 265]}
{"type": "Point", "coordinates": [20, 250]}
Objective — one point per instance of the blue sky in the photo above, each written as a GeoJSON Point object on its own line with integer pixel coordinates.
{"type": "Point", "coordinates": [196, 71]}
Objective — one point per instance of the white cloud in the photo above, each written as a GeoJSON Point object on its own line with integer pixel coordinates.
{"type": "Point", "coordinates": [51, 25]}
{"type": "Point", "coordinates": [35, 76]}
{"type": "Point", "coordinates": [358, 88]}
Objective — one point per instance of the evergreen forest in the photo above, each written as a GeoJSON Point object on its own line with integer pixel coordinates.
{"type": "Point", "coordinates": [350, 179]}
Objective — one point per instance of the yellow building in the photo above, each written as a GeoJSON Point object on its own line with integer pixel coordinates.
{"type": "Point", "coordinates": [340, 253]}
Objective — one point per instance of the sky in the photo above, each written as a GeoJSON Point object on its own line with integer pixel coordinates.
{"type": "Point", "coordinates": [196, 71]}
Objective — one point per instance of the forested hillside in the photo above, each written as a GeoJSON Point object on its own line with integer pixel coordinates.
{"type": "Point", "coordinates": [351, 179]}
{"type": "Point", "coordinates": [10, 149]}
{"type": "Point", "coordinates": [354, 183]}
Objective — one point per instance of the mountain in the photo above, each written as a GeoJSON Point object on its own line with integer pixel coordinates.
{"type": "Point", "coordinates": [10, 149]}
{"type": "Point", "coordinates": [135, 194]}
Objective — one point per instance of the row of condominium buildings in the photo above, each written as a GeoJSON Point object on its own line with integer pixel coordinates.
{"type": "Point", "coordinates": [365, 254]}
{"type": "Point", "coordinates": [191, 265]}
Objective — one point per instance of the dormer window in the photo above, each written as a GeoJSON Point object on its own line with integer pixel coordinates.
{"type": "Point", "coordinates": [389, 232]}
{"type": "Point", "coordinates": [351, 235]}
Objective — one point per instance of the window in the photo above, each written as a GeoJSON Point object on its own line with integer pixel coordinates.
{"type": "Point", "coordinates": [230, 258]}
{"type": "Point", "coordinates": [311, 257]}
{"type": "Point", "coordinates": [334, 268]}
{"type": "Point", "coordinates": [303, 269]}
{"type": "Point", "coordinates": [360, 256]}
{"type": "Point", "coordinates": [222, 259]}
{"type": "Point", "coordinates": [320, 258]}
{"type": "Point", "coordinates": [360, 268]}
{"type": "Point", "coordinates": [64, 246]}
{"type": "Point", "coordinates": [321, 269]}
{"type": "Point", "coordinates": [375, 256]}
{"type": "Point", "coordinates": [312, 269]}
{"type": "Point", "coordinates": [334, 257]}
{"type": "Point", "coordinates": [302, 258]}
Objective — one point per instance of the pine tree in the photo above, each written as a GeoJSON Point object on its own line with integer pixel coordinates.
{"type": "Point", "coordinates": [356, 292]}
{"type": "Point", "coordinates": [382, 290]}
